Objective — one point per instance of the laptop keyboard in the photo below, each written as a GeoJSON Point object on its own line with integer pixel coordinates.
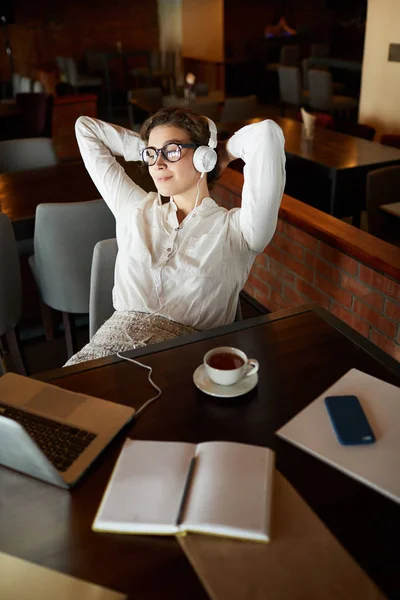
{"type": "Point", "coordinates": [62, 444]}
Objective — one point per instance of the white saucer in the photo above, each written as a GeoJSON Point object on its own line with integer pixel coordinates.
{"type": "Point", "coordinates": [204, 383]}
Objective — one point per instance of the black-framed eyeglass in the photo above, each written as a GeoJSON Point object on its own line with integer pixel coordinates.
{"type": "Point", "coordinates": [171, 152]}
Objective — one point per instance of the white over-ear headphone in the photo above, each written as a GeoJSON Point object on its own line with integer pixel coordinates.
{"type": "Point", "coordinates": [205, 157]}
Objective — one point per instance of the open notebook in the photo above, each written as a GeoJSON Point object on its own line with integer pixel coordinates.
{"type": "Point", "coordinates": [376, 465]}
{"type": "Point", "coordinates": [167, 488]}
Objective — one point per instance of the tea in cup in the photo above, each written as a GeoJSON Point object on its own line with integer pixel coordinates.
{"type": "Point", "coordinates": [226, 365]}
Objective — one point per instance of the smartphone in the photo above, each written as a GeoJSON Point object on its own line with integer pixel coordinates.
{"type": "Point", "coordinates": [349, 421]}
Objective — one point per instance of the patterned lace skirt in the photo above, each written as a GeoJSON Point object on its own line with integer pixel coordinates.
{"type": "Point", "coordinates": [126, 330]}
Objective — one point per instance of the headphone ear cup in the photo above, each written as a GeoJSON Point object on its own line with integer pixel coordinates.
{"type": "Point", "coordinates": [204, 159]}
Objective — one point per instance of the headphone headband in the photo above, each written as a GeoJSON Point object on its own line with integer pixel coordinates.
{"type": "Point", "coordinates": [213, 141]}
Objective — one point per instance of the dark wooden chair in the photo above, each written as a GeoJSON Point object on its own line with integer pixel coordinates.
{"type": "Point", "coordinates": [36, 114]}
{"type": "Point", "coordinates": [359, 130]}
{"type": "Point", "coordinates": [10, 294]}
{"type": "Point", "coordinates": [391, 140]}
{"type": "Point", "coordinates": [383, 187]}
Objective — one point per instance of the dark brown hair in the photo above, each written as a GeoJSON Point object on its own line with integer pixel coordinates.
{"type": "Point", "coordinates": [195, 125]}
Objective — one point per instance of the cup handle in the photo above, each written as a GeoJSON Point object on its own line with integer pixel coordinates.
{"type": "Point", "coordinates": [253, 364]}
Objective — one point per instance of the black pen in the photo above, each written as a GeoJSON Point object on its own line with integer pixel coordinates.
{"type": "Point", "coordinates": [188, 481]}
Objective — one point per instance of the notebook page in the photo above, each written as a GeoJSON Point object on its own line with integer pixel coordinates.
{"type": "Point", "coordinates": [230, 491]}
{"type": "Point", "coordinates": [145, 489]}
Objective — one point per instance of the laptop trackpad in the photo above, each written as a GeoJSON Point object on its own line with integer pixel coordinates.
{"type": "Point", "coordinates": [55, 402]}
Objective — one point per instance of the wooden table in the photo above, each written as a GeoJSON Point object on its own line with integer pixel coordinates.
{"type": "Point", "coordinates": [10, 119]}
{"type": "Point", "coordinates": [213, 96]}
{"type": "Point", "coordinates": [334, 63]}
{"type": "Point", "coordinates": [392, 209]}
{"type": "Point", "coordinates": [330, 171]}
{"type": "Point", "coordinates": [8, 108]}
{"type": "Point", "coordinates": [21, 192]}
{"type": "Point", "coordinates": [301, 352]}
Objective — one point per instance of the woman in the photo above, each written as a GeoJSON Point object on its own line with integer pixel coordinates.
{"type": "Point", "coordinates": [181, 264]}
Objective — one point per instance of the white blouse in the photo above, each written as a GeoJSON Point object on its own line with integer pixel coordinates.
{"type": "Point", "coordinates": [191, 272]}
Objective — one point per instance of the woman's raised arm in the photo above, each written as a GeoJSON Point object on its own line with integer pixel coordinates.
{"type": "Point", "coordinates": [99, 143]}
{"type": "Point", "coordinates": [261, 147]}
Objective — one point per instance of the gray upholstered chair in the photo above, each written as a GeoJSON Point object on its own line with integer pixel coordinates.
{"type": "Point", "coordinates": [383, 187]}
{"type": "Point", "coordinates": [10, 291]}
{"type": "Point", "coordinates": [306, 64]}
{"type": "Point", "coordinates": [141, 103]}
{"type": "Point", "coordinates": [38, 87]}
{"type": "Point", "coordinates": [65, 236]}
{"type": "Point", "coordinates": [23, 155]}
{"type": "Point", "coordinates": [238, 109]}
{"type": "Point", "coordinates": [26, 154]}
{"type": "Point", "coordinates": [161, 70]}
{"type": "Point", "coordinates": [290, 87]}
{"type": "Point", "coordinates": [16, 83]}
{"type": "Point", "coordinates": [62, 67]}
{"type": "Point", "coordinates": [102, 283]}
{"type": "Point", "coordinates": [289, 57]}
{"type": "Point", "coordinates": [77, 80]}
{"type": "Point", "coordinates": [322, 97]}
{"type": "Point", "coordinates": [25, 85]}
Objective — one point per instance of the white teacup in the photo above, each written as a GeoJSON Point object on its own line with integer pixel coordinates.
{"type": "Point", "coordinates": [226, 365]}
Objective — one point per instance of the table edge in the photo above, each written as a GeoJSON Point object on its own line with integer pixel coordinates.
{"type": "Point", "coordinates": [374, 351]}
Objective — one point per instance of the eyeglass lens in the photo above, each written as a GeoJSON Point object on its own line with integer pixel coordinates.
{"type": "Point", "coordinates": [170, 152]}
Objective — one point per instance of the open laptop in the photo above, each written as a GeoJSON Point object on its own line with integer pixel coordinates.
{"type": "Point", "coordinates": [54, 434]}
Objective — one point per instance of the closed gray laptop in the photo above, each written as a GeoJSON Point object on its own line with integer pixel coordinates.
{"type": "Point", "coordinates": [54, 434]}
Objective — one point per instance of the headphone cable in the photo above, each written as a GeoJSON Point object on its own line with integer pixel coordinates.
{"type": "Point", "coordinates": [150, 369]}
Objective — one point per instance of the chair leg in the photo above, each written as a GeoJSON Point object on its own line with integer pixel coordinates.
{"type": "Point", "coordinates": [47, 320]}
{"type": "Point", "coordinates": [15, 351]}
{"type": "Point", "coordinates": [69, 330]}
{"type": "Point", "coordinates": [2, 351]}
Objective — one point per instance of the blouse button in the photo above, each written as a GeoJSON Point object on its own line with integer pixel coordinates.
{"type": "Point", "coordinates": [168, 249]}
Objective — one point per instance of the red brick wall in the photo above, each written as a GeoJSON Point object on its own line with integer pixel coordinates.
{"type": "Point", "coordinates": [297, 268]}
{"type": "Point", "coordinates": [46, 28]}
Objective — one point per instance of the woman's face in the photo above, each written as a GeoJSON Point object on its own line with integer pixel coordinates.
{"type": "Point", "coordinates": [172, 178]}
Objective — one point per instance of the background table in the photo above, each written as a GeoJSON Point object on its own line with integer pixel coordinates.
{"type": "Point", "coordinates": [330, 171]}
{"type": "Point", "coordinates": [213, 96]}
{"type": "Point", "coordinates": [392, 209]}
{"type": "Point", "coordinates": [335, 63]}
{"type": "Point", "coordinates": [301, 353]}
{"type": "Point", "coordinates": [21, 192]}
{"type": "Point", "coordinates": [9, 108]}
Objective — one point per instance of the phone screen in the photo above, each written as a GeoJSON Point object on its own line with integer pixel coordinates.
{"type": "Point", "coordinates": [349, 421]}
